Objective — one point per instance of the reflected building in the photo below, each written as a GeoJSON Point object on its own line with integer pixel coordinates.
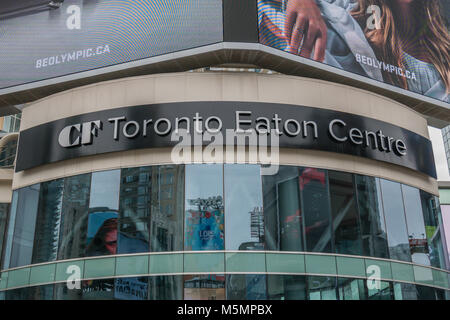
{"type": "Point", "coordinates": [257, 224]}
{"type": "Point", "coordinates": [166, 207]}
{"type": "Point", "coordinates": [290, 222]}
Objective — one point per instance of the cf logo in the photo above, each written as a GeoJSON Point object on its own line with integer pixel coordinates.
{"type": "Point", "coordinates": [79, 134]}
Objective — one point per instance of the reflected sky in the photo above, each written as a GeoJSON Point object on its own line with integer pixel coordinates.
{"type": "Point", "coordinates": [105, 187]}
{"type": "Point", "coordinates": [243, 194]}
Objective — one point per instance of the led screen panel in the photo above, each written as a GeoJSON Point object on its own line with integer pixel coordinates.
{"type": "Point", "coordinates": [401, 43]}
{"type": "Point", "coordinates": [38, 41]}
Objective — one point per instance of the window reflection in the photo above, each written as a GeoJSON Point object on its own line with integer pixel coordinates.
{"type": "Point", "coordinates": [384, 292]}
{"type": "Point", "coordinates": [212, 287]}
{"type": "Point", "coordinates": [313, 185]}
{"type": "Point", "coordinates": [74, 219]}
{"type": "Point", "coordinates": [347, 236]}
{"type": "Point", "coordinates": [102, 289]}
{"type": "Point", "coordinates": [405, 291]}
{"type": "Point", "coordinates": [166, 217]}
{"type": "Point", "coordinates": [171, 208]}
{"type": "Point", "coordinates": [351, 289]}
{"type": "Point", "coordinates": [48, 221]}
{"type": "Point", "coordinates": [415, 225]}
{"type": "Point", "coordinates": [103, 213]}
{"type": "Point", "coordinates": [322, 288]}
{"type": "Point", "coordinates": [431, 213]}
{"type": "Point", "coordinates": [105, 190]}
{"type": "Point", "coordinates": [244, 223]}
{"type": "Point", "coordinates": [395, 221]}
{"type": "Point", "coordinates": [135, 210]}
{"type": "Point", "coordinates": [282, 213]}
{"type": "Point", "coordinates": [204, 287]}
{"type": "Point", "coordinates": [286, 287]}
{"type": "Point", "coordinates": [204, 220]}
{"type": "Point", "coordinates": [426, 293]}
{"type": "Point", "coordinates": [244, 226]}
{"type": "Point", "coordinates": [10, 230]}
{"type": "Point", "coordinates": [373, 229]}
{"type": "Point", "coordinates": [246, 287]}
{"type": "Point", "coordinates": [4, 211]}
{"type": "Point", "coordinates": [31, 293]}
{"type": "Point", "coordinates": [166, 288]}
{"type": "Point", "coordinates": [135, 288]}
{"type": "Point", "coordinates": [25, 224]}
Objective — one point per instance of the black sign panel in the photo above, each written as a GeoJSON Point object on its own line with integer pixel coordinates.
{"type": "Point", "coordinates": [151, 126]}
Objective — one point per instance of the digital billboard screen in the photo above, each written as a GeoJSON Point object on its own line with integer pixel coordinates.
{"type": "Point", "coordinates": [401, 43]}
{"type": "Point", "coordinates": [40, 41]}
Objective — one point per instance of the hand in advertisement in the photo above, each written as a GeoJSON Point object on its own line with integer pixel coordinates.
{"type": "Point", "coordinates": [305, 29]}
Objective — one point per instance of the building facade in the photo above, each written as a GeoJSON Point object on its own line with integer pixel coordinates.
{"type": "Point", "coordinates": [446, 138]}
{"type": "Point", "coordinates": [280, 179]}
{"type": "Point", "coordinates": [139, 226]}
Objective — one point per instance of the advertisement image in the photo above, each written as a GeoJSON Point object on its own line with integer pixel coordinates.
{"type": "Point", "coordinates": [205, 229]}
{"type": "Point", "coordinates": [400, 43]}
{"type": "Point", "coordinates": [102, 233]}
{"type": "Point", "coordinates": [46, 39]}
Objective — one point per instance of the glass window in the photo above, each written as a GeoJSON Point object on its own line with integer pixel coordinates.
{"type": "Point", "coordinates": [166, 288]}
{"type": "Point", "coordinates": [17, 294]}
{"type": "Point", "coordinates": [74, 219]}
{"type": "Point", "coordinates": [103, 213]}
{"type": "Point", "coordinates": [244, 226]}
{"type": "Point", "coordinates": [48, 221]}
{"type": "Point", "coordinates": [351, 289]}
{"type": "Point", "coordinates": [105, 190]}
{"type": "Point", "coordinates": [204, 220]}
{"type": "Point", "coordinates": [62, 292]}
{"type": "Point", "coordinates": [431, 215]}
{"type": "Point", "coordinates": [7, 123]}
{"type": "Point", "coordinates": [151, 209]}
{"type": "Point", "coordinates": [373, 229]}
{"type": "Point", "coordinates": [441, 294]}
{"type": "Point", "coordinates": [282, 213]}
{"type": "Point", "coordinates": [244, 223]}
{"type": "Point", "coordinates": [286, 287]}
{"type": "Point", "coordinates": [415, 225]}
{"type": "Point", "coordinates": [384, 292]}
{"type": "Point", "coordinates": [10, 231]}
{"type": "Point", "coordinates": [31, 293]}
{"type": "Point", "coordinates": [166, 218]}
{"type": "Point", "coordinates": [395, 220]}
{"type": "Point", "coordinates": [41, 292]}
{"type": "Point", "coordinates": [25, 223]}
{"type": "Point", "coordinates": [405, 291]}
{"type": "Point", "coordinates": [204, 287]}
{"type": "Point", "coordinates": [426, 293]}
{"type": "Point", "coordinates": [322, 288]}
{"type": "Point", "coordinates": [313, 184]}
{"type": "Point", "coordinates": [102, 289]}
{"type": "Point", "coordinates": [246, 287]}
{"type": "Point", "coordinates": [4, 211]}
{"type": "Point", "coordinates": [135, 288]}
{"type": "Point", "coordinates": [134, 212]}
{"type": "Point", "coordinates": [347, 236]}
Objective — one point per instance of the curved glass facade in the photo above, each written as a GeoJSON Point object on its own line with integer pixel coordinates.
{"type": "Point", "coordinates": [225, 208]}
{"type": "Point", "coordinates": [194, 287]}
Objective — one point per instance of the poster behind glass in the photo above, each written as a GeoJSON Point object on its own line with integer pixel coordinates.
{"type": "Point", "coordinates": [204, 229]}
{"type": "Point", "coordinates": [402, 43]}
